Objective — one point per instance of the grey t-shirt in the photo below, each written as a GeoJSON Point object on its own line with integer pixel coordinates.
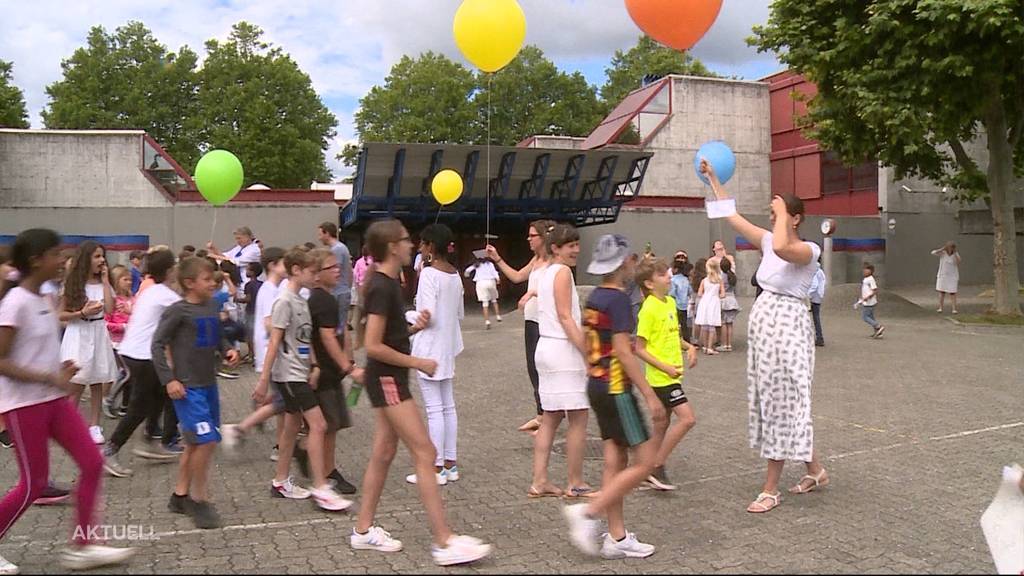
{"type": "Point", "coordinates": [344, 259]}
{"type": "Point", "coordinates": [192, 331]}
{"type": "Point", "coordinates": [291, 314]}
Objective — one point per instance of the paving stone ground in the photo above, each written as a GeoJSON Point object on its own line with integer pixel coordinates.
{"type": "Point", "coordinates": [914, 430]}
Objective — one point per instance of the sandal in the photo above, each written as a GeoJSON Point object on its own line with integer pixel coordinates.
{"type": "Point", "coordinates": [580, 492]}
{"type": "Point", "coordinates": [761, 504]}
{"type": "Point", "coordinates": [531, 424]}
{"type": "Point", "coordinates": [549, 492]}
{"type": "Point", "coordinates": [819, 481]}
{"type": "Point", "coordinates": [711, 352]}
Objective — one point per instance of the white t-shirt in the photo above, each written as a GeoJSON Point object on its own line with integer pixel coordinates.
{"type": "Point", "coordinates": [485, 271]}
{"type": "Point", "coordinates": [441, 341]}
{"type": "Point", "coordinates": [264, 306]}
{"type": "Point", "coordinates": [242, 256]}
{"type": "Point", "coordinates": [867, 286]}
{"type": "Point", "coordinates": [36, 347]}
{"type": "Point", "coordinates": [530, 310]}
{"type": "Point", "coordinates": [146, 313]}
{"type": "Point", "coordinates": [782, 277]}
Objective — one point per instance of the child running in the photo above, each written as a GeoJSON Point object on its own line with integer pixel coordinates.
{"type": "Point", "coordinates": [293, 366]}
{"type": "Point", "coordinates": [440, 294]}
{"type": "Point", "coordinates": [869, 299]}
{"type": "Point", "coordinates": [661, 346]}
{"type": "Point", "coordinates": [613, 370]}
{"type": "Point", "coordinates": [184, 350]}
{"type": "Point", "coordinates": [486, 278]}
{"type": "Point", "coordinates": [397, 417]}
{"type": "Point", "coordinates": [34, 386]}
{"type": "Point", "coordinates": [87, 297]}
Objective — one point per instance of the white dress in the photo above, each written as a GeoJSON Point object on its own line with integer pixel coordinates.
{"type": "Point", "coordinates": [709, 307]}
{"type": "Point", "coordinates": [560, 366]}
{"type": "Point", "coordinates": [87, 343]}
{"type": "Point", "coordinates": [948, 278]}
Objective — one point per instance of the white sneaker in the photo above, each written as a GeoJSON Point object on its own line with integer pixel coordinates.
{"type": "Point", "coordinates": [288, 489]}
{"type": "Point", "coordinates": [376, 538]}
{"type": "Point", "coordinates": [488, 324]}
{"type": "Point", "coordinates": [460, 550]}
{"type": "Point", "coordinates": [441, 480]}
{"type": "Point", "coordinates": [327, 499]}
{"type": "Point", "coordinates": [93, 556]}
{"type": "Point", "coordinates": [499, 318]}
{"type": "Point", "coordinates": [582, 529]}
{"type": "Point", "coordinates": [230, 436]}
{"type": "Point", "coordinates": [450, 474]}
{"type": "Point", "coordinates": [630, 547]}
{"type": "Point", "coordinates": [97, 435]}
{"type": "Point", "coordinates": [7, 567]}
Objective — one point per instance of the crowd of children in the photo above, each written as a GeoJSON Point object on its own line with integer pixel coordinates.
{"type": "Point", "coordinates": [150, 340]}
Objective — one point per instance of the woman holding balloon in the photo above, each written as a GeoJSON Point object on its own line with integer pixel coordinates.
{"type": "Point", "coordinates": [780, 359]}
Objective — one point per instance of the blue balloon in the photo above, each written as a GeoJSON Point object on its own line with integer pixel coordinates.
{"type": "Point", "coordinates": [721, 158]}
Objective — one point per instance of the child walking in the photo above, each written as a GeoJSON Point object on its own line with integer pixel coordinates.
{"type": "Point", "coordinates": [660, 344]}
{"type": "Point", "coordinates": [730, 305]}
{"type": "Point", "coordinates": [485, 276]}
{"type": "Point", "coordinates": [869, 299]}
{"type": "Point", "coordinates": [117, 321]}
{"type": "Point", "coordinates": [613, 371]}
{"type": "Point", "coordinates": [88, 296]}
{"type": "Point", "coordinates": [709, 305]}
{"type": "Point", "coordinates": [34, 388]}
{"type": "Point", "coordinates": [440, 294]}
{"type": "Point", "coordinates": [397, 417]}
{"type": "Point", "coordinates": [292, 364]}
{"type": "Point", "coordinates": [184, 351]}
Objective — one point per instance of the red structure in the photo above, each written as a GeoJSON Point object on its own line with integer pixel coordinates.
{"type": "Point", "coordinates": [800, 166]}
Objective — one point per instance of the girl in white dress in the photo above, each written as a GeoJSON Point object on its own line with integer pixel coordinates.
{"type": "Point", "coordinates": [947, 281]}
{"type": "Point", "coordinates": [87, 298]}
{"type": "Point", "coordinates": [560, 366]}
{"type": "Point", "coordinates": [709, 305]}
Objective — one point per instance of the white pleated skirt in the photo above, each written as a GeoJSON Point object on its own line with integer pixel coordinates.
{"type": "Point", "coordinates": [88, 345]}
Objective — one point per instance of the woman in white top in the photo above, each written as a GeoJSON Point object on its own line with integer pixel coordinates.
{"type": "Point", "coordinates": [246, 250]}
{"type": "Point", "coordinates": [87, 298]}
{"type": "Point", "coordinates": [947, 281]}
{"type": "Point", "coordinates": [560, 366]}
{"type": "Point", "coordinates": [440, 292]}
{"type": "Point", "coordinates": [537, 237]}
{"type": "Point", "coordinates": [780, 356]}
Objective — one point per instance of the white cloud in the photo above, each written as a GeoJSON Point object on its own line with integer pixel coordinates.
{"type": "Point", "coordinates": [344, 45]}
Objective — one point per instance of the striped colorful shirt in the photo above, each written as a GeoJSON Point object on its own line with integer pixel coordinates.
{"type": "Point", "coordinates": [608, 312]}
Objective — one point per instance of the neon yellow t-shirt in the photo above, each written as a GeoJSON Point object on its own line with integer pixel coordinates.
{"type": "Point", "coordinates": [658, 325]}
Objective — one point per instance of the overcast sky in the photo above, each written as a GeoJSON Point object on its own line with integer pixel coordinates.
{"type": "Point", "coordinates": [347, 46]}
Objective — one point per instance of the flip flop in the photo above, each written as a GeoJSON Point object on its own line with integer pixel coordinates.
{"type": "Point", "coordinates": [549, 493]}
{"type": "Point", "coordinates": [531, 424]}
{"type": "Point", "coordinates": [580, 492]}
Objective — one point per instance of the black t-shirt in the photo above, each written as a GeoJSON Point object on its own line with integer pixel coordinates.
{"type": "Point", "coordinates": [323, 308]}
{"type": "Point", "coordinates": [252, 288]}
{"type": "Point", "coordinates": [384, 298]}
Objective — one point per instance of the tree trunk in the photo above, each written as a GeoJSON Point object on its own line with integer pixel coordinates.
{"type": "Point", "coordinates": [1004, 227]}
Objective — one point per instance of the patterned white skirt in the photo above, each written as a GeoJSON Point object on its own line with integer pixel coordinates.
{"type": "Point", "coordinates": [780, 369]}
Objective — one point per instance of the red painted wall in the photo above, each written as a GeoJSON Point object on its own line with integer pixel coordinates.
{"type": "Point", "coordinates": [799, 166]}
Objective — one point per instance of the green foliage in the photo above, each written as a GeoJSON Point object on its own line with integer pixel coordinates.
{"type": "Point", "coordinates": [256, 102]}
{"type": "Point", "coordinates": [128, 80]}
{"type": "Point", "coordinates": [646, 58]}
{"type": "Point", "coordinates": [12, 102]}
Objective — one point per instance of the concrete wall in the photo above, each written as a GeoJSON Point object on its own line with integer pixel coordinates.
{"type": "Point", "coordinates": [42, 168]}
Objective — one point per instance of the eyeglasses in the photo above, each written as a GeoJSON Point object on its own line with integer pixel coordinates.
{"type": "Point", "coordinates": [325, 269]}
{"type": "Point", "coordinates": [532, 236]}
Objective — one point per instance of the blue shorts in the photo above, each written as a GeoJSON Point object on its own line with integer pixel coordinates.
{"type": "Point", "coordinates": [199, 415]}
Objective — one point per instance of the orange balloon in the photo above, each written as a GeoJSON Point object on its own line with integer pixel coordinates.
{"type": "Point", "coordinates": [677, 24]}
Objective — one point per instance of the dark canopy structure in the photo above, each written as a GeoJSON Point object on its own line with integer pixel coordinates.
{"type": "Point", "coordinates": [586, 188]}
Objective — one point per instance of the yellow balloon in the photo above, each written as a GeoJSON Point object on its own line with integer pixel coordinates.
{"type": "Point", "coordinates": [446, 187]}
{"type": "Point", "coordinates": [489, 32]}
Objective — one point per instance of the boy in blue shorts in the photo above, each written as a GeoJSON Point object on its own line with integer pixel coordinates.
{"type": "Point", "coordinates": [660, 345]}
{"type": "Point", "coordinates": [613, 371]}
{"type": "Point", "coordinates": [185, 348]}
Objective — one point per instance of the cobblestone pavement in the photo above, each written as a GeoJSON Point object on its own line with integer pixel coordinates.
{"type": "Point", "coordinates": [914, 430]}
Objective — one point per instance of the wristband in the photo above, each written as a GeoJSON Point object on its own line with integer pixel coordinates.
{"type": "Point", "coordinates": [312, 366]}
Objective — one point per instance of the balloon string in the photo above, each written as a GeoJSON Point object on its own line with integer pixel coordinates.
{"type": "Point", "coordinates": [213, 228]}
{"type": "Point", "coordinates": [487, 233]}
{"type": "Point", "coordinates": [439, 208]}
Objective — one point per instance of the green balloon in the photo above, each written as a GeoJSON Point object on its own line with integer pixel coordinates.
{"type": "Point", "coordinates": [219, 176]}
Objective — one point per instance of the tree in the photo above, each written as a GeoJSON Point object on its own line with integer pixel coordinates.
{"type": "Point", "coordinates": [12, 102]}
{"type": "Point", "coordinates": [256, 102]}
{"type": "Point", "coordinates": [531, 96]}
{"type": "Point", "coordinates": [646, 58]}
{"type": "Point", "coordinates": [426, 99]}
{"type": "Point", "coordinates": [128, 80]}
{"type": "Point", "coordinates": [916, 84]}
